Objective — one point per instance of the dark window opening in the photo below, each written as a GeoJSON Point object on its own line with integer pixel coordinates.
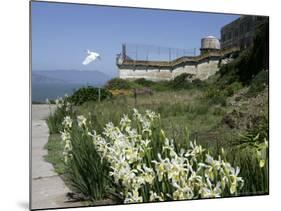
{"type": "Point", "coordinates": [236, 33]}
{"type": "Point", "coordinates": [229, 36]}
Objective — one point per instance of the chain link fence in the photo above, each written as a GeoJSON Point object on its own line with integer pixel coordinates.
{"type": "Point", "coordinates": [142, 52]}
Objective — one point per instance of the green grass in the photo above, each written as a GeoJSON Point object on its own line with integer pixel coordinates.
{"type": "Point", "coordinates": [178, 110]}
{"type": "Point", "coordinates": [55, 119]}
{"type": "Point", "coordinates": [86, 173]}
{"type": "Point", "coordinates": [256, 178]}
{"type": "Point", "coordinates": [55, 156]}
{"type": "Point", "coordinates": [181, 110]}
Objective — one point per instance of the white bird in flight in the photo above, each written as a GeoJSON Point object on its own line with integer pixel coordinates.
{"type": "Point", "coordinates": [92, 56]}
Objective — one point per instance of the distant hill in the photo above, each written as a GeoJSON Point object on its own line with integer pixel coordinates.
{"type": "Point", "coordinates": [69, 77]}
{"type": "Point", "coordinates": [41, 79]}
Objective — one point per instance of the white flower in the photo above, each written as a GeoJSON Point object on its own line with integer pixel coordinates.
{"type": "Point", "coordinates": [125, 122]}
{"type": "Point", "coordinates": [67, 122]}
{"type": "Point", "coordinates": [68, 145]}
{"type": "Point", "coordinates": [126, 149]}
{"type": "Point", "coordinates": [235, 180]}
{"type": "Point", "coordinates": [81, 121]}
{"type": "Point", "coordinates": [65, 135]}
{"type": "Point", "coordinates": [262, 163]}
{"type": "Point", "coordinates": [136, 114]}
{"type": "Point", "coordinates": [133, 197]}
{"type": "Point", "coordinates": [154, 197]}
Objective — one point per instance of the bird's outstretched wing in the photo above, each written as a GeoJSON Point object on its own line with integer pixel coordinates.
{"type": "Point", "coordinates": [87, 60]}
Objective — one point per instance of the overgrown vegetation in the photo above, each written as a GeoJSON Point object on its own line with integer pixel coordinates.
{"type": "Point", "coordinates": [85, 171]}
{"type": "Point", "coordinates": [89, 93]}
{"type": "Point", "coordinates": [119, 83]}
{"type": "Point", "coordinates": [180, 82]}
{"type": "Point", "coordinates": [184, 116]}
{"type": "Point", "coordinates": [54, 120]}
{"type": "Point", "coordinates": [55, 156]}
{"type": "Point", "coordinates": [252, 148]}
{"type": "Point", "coordinates": [258, 84]}
{"type": "Point", "coordinates": [139, 163]}
{"type": "Point", "coordinates": [250, 62]}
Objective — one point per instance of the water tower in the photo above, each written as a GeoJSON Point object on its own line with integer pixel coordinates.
{"type": "Point", "coordinates": [209, 44]}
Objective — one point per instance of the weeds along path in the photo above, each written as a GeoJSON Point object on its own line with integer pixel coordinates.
{"type": "Point", "coordinates": [48, 189]}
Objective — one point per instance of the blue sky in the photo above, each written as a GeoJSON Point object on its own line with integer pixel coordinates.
{"type": "Point", "coordinates": [62, 32]}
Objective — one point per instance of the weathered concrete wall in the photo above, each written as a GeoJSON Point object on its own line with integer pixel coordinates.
{"type": "Point", "coordinates": [207, 69]}
{"type": "Point", "coordinates": [153, 74]}
{"type": "Point", "coordinates": [191, 69]}
{"type": "Point", "coordinates": [202, 71]}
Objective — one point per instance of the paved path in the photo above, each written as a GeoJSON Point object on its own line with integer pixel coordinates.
{"type": "Point", "coordinates": [48, 189]}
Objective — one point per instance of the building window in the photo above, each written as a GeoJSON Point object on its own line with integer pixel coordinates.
{"type": "Point", "coordinates": [241, 29]}
{"type": "Point", "coordinates": [229, 36]}
{"type": "Point", "coordinates": [223, 37]}
{"type": "Point", "coordinates": [248, 27]}
{"type": "Point", "coordinates": [236, 33]}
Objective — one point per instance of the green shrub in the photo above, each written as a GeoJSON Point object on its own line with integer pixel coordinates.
{"type": "Point", "coordinates": [221, 100]}
{"type": "Point", "coordinates": [199, 84]}
{"type": "Point", "coordinates": [144, 82]}
{"type": "Point", "coordinates": [182, 81]}
{"type": "Point", "coordinates": [218, 111]}
{"type": "Point", "coordinates": [162, 86]}
{"type": "Point", "coordinates": [199, 109]}
{"type": "Point", "coordinates": [228, 73]}
{"type": "Point", "coordinates": [258, 83]}
{"type": "Point", "coordinates": [250, 151]}
{"type": "Point", "coordinates": [210, 93]}
{"type": "Point", "coordinates": [54, 120]}
{"type": "Point", "coordinates": [233, 88]}
{"type": "Point", "coordinates": [257, 58]}
{"type": "Point", "coordinates": [215, 96]}
{"type": "Point", "coordinates": [250, 61]}
{"type": "Point", "coordinates": [119, 83]}
{"type": "Point", "coordinates": [89, 93]}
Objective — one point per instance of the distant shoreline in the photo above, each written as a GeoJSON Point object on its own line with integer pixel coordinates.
{"type": "Point", "coordinates": [41, 92]}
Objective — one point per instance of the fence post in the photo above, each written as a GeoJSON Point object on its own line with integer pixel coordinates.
{"type": "Point", "coordinates": [135, 96]}
{"type": "Point", "coordinates": [123, 51]}
{"type": "Point", "coordinates": [169, 54]}
{"type": "Point", "coordinates": [136, 52]}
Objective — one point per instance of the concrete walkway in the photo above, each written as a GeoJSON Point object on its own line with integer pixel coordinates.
{"type": "Point", "coordinates": [48, 189]}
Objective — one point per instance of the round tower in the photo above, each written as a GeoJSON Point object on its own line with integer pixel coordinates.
{"type": "Point", "coordinates": [209, 44]}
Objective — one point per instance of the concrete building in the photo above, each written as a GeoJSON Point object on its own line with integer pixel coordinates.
{"type": "Point", "coordinates": [240, 33]}
{"type": "Point", "coordinates": [200, 67]}
{"type": "Point", "coordinates": [235, 37]}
